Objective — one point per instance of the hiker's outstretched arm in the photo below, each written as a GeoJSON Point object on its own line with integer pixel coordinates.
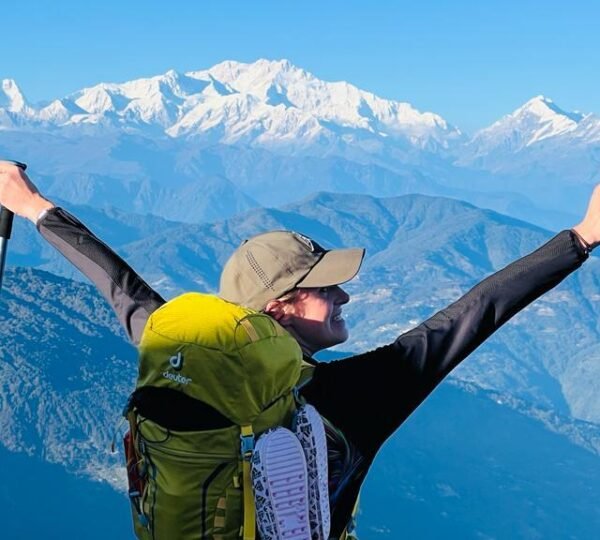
{"type": "Point", "coordinates": [371, 394]}
{"type": "Point", "coordinates": [379, 389]}
{"type": "Point", "coordinates": [448, 337]}
{"type": "Point", "coordinates": [440, 343]}
{"type": "Point", "coordinates": [132, 299]}
{"type": "Point", "coordinates": [436, 346]}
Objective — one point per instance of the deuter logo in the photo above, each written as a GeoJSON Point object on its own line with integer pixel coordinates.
{"type": "Point", "coordinates": [176, 361]}
{"type": "Point", "coordinates": [176, 378]}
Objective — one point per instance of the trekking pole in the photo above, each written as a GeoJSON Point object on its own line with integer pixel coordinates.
{"type": "Point", "coordinates": [6, 220]}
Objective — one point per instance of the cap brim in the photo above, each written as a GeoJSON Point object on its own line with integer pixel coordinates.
{"type": "Point", "coordinates": [335, 267]}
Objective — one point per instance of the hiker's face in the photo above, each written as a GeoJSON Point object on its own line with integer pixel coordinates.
{"type": "Point", "coordinates": [314, 318]}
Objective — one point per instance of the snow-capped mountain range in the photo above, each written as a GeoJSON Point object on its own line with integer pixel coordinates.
{"type": "Point", "coordinates": [275, 104]}
{"type": "Point", "coordinates": [270, 104]}
{"type": "Point", "coordinates": [267, 133]}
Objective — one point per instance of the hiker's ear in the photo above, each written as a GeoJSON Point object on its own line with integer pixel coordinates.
{"type": "Point", "coordinates": [275, 309]}
{"type": "Point", "coordinates": [282, 312]}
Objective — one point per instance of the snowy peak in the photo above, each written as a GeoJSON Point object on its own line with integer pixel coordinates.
{"type": "Point", "coordinates": [546, 110]}
{"type": "Point", "coordinates": [11, 97]}
{"type": "Point", "coordinates": [255, 77]}
{"type": "Point", "coordinates": [538, 120]}
{"type": "Point", "coordinates": [290, 103]}
{"type": "Point", "coordinates": [281, 83]}
{"type": "Point", "coordinates": [542, 118]}
{"type": "Point", "coordinates": [154, 101]}
{"type": "Point", "coordinates": [98, 100]}
{"type": "Point", "coordinates": [60, 110]}
{"type": "Point", "coordinates": [539, 135]}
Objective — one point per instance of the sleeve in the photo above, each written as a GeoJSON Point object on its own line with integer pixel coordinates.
{"type": "Point", "coordinates": [371, 394]}
{"type": "Point", "coordinates": [132, 299]}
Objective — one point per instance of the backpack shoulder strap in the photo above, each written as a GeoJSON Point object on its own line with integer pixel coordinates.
{"type": "Point", "coordinates": [307, 371]}
{"type": "Point", "coordinates": [306, 374]}
{"type": "Point", "coordinates": [247, 442]}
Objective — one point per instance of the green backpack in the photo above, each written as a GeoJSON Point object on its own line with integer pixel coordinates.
{"type": "Point", "coordinates": [192, 485]}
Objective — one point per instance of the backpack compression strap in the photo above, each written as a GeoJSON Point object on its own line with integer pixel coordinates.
{"type": "Point", "coordinates": [247, 441]}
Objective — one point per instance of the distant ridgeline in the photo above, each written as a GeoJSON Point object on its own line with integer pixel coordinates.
{"type": "Point", "coordinates": [422, 254]}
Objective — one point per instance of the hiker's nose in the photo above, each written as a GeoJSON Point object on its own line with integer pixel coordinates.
{"type": "Point", "coordinates": [342, 297]}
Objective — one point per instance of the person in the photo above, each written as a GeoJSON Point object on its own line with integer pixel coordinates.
{"type": "Point", "coordinates": [363, 398]}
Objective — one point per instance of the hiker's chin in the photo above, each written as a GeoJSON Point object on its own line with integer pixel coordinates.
{"type": "Point", "coordinates": [341, 332]}
{"type": "Point", "coordinates": [323, 338]}
{"type": "Point", "coordinates": [338, 333]}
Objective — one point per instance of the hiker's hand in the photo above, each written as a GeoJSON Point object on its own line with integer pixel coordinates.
{"type": "Point", "coordinates": [589, 228]}
{"type": "Point", "coordinates": [19, 194]}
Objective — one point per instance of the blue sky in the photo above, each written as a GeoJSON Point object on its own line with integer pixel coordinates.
{"type": "Point", "coordinates": [470, 61]}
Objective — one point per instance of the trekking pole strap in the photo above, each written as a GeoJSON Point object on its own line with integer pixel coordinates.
{"type": "Point", "coordinates": [247, 447]}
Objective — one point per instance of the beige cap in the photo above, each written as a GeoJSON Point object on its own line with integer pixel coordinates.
{"type": "Point", "coordinates": [269, 265]}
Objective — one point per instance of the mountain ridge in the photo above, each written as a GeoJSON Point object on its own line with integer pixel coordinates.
{"type": "Point", "coordinates": [270, 103]}
{"type": "Point", "coordinates": [169, 99]}
{"type": "Point", "coordinates": [283, 133]}
{"type": "Point", "coordinates": [422, 253]}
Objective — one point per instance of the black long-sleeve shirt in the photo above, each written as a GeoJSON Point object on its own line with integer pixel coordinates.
{"type": "Point", "coordinates": [367, 396]}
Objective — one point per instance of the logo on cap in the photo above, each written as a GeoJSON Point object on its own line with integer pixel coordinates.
{"type": "Point", "coordinates": [304, 240]}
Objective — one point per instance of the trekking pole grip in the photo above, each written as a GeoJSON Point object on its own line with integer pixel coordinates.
{"type": "Point", "coordinates": [6, 221]}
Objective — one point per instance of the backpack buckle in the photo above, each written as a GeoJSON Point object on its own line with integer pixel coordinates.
{"type": "Point", "coordinates": [247, 446]}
